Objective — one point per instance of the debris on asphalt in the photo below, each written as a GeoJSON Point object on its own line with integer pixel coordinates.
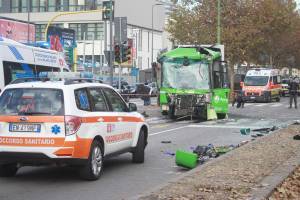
{"type": "Point", "coordinates": [166, 141]}
{"type": "Point", "coordinates": [296, 137]}
{"type": "Point", "coordinates": [169, 153]}
{"type": "Point", "coordinates": [186, 159]}
{"type": "Point", "coordinates": [245, 131]}
{"type": "Point", "coordinates": [145, 114]}
{"type": "Point", "coordinates": [243, 143]}
{"type": "Point", "coordinates": [296, 122]}
{"type": "Point", "coordinates": [200, 154]}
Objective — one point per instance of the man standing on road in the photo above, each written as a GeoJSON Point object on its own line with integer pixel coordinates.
{"type": "Point", "coordinates": [293, 90]}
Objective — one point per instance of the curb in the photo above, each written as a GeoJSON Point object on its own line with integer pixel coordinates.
{"type": "Point", "coordinates": [271, 182]}
{"type": "Point", "coordinates": [266, 185]}
{"type": "Point", "coordinates": [189, 173]}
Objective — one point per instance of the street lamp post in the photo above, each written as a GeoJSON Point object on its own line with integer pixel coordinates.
{"type": "Point", "coordinates": [157, 4]}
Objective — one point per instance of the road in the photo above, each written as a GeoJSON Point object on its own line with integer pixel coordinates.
{"type": "Point", "coordinates": [124, 180]}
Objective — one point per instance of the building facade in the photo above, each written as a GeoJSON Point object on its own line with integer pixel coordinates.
{"type": "Point", "coordinates": [91, 30]}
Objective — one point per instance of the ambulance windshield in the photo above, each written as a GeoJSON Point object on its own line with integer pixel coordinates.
{"type": "Point", "coordinates": [256, 80]}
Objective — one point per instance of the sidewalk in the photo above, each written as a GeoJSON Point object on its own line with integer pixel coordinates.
{"type": "Point", "coordinates": [249, 172]}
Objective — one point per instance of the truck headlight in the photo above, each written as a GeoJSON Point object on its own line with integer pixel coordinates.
{"type": "Point", "coordinates": [208, 97]}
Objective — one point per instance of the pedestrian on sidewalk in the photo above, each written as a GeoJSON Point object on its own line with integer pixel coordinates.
{"type": "Point", "coordinates": [293, 90]}
{"type": "Point", "coordinates": [239, 99]}
{"type": "Point", "coordinates": [144, 91]}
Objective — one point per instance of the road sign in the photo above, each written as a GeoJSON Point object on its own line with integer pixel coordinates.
{"type": "Point", "coordinates": [120, 30]}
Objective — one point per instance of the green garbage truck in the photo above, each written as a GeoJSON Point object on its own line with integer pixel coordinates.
{"type": "Point", "coordinates": [193, 82]}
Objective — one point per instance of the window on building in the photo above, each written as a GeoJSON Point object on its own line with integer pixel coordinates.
{"type": "Point", "coordinates": [90, 4]}
{"type": "Point", "coordinates": [15, 6]}
{"type": "Point", "coordinates": [40, 32]}
{"type": "Point", "coordinates": [51, 6]}
{"type": "Point", "coordinates": [0, 3]}
{"type": "Point", "coordinates": [35, 5]}
{"type": "Point", "coordinates": [140, 62]}
{"type": "Point", "coordinates": [91, 30]}
{"type": "Point", "coordinates": [140, 40]}
{"type": "Point", "coordinates": [24, 5]}
{"type": "Point", "coordinates": [98, 4]}
{"type": "Point", "coordinates": [18, 6]}
{"type": "Point", "coordinates": [43, 6]}
{"type": "Point", "coordinates": [73, 5]}
{"type": "Point", "coordinates": [148, 41]}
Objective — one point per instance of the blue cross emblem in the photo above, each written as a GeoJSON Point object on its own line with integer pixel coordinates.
{"type": "Point", "coordinates": [55, 129]}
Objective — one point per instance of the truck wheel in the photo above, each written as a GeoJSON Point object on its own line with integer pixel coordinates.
{"type": "Point", "coordinates": [94, 166]}
{"type": "Point", "coordinates": [268, 99]}
{"type": "Point", "coordinates": [171, 112]}
{"type": "Point", "coordinates": [8, 170]}
{"type": "Point", "coordinates": [278, 99]}
{"type": "Point", "coordinates": [138, 154]}
{"type": "Point", "coordinates": [164, 112]}
{"type": "Point", "coordinates": [221, 115]}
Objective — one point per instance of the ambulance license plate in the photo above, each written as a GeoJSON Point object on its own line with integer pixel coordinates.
{"type": "Point", "coordinates": [22, 127]}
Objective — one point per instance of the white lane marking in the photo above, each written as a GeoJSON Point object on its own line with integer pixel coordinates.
{"type": "Point", "coordinates": [276, 105]}
{"type": "Point", "coordinates": [169, 130]}
{"type": "Point", "coordinates": [260, 105]}
{"type": "Point", "coordinates": [222, 126]}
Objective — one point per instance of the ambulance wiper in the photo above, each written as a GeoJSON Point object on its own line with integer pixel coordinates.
{"type": "Point", "coordinates": [34, 113]}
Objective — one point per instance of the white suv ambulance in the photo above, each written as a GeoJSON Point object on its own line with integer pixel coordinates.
{"type": "Point", "coordinates": [67, 122]}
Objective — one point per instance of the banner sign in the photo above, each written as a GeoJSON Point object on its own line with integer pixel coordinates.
{"type": "Point", "coordinates": [16, 30]}
{"type": "Point", "coordinates": [62, 40]}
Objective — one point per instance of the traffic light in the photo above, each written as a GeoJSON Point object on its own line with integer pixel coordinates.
{"type": "Point", "coordinates": [126, 54]}
{"type": "Point", "coordinates": [108, 9]}
{"type": "Point", "coordinates": [124, 48]}
{"type": "Point", "coordinates": [117, 54]}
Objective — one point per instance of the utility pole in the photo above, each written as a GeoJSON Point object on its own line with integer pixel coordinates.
{"type": "Point", "coordinates": [93, 54]}
{"type": "Point", "coordinates": [111, 43]}
{"type": "Point", "coordinates": [152, 27]}
{"type": "Point", "coordinates": [219, 23]}
{"type": "Point", "coordinates": [83, 61]}
{"type": "Point", "coordinates": [28, 21]}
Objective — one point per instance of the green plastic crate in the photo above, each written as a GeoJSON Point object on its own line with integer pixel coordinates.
{"type": "Point", "coordinates": [186, 159]}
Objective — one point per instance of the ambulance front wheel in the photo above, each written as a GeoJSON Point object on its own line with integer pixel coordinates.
{"type": "Point", "coordinates": [92, 170]}
{"type": "Point", "coordinates": [138, 154]}
{"type": "Point", "coordinates": [8, 170]}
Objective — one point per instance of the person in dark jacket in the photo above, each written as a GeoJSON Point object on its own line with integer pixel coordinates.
{"type": "Point", "coordinates": [293, 90]}
{"type": "Point", "coordinates": [239, 99]}
{"type": "Point", "coordinates": [144, 91]}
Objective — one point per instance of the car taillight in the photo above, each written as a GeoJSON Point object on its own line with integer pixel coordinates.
{"type": "Point", "coordinates": [72, 124]}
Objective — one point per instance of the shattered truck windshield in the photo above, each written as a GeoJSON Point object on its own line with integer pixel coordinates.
{"type": "Point", "coordinates": [195, 75]}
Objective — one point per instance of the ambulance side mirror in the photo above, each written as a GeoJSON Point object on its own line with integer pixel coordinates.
{"type": "Point", "coordinates": [132, 107]}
